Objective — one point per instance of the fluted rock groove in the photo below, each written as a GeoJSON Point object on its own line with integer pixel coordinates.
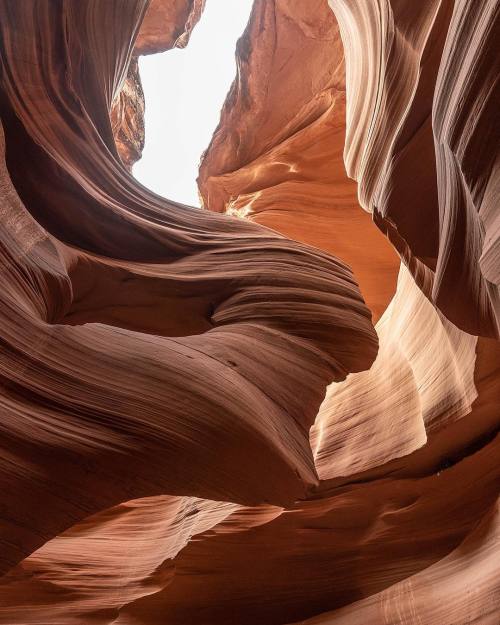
{"type": "Point", "coordinates": [283, 407]}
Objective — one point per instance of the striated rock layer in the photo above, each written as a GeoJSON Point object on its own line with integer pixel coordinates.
{"type": "Point", "coordinates": [422, 141]}
{"type": "Point", "coordinates": [199, 422]}
{"type": "Point", "coordinates": [282, 165]}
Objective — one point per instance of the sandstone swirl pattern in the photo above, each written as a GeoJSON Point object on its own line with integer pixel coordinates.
{"type": "Point", "coordinates": [199, 422]}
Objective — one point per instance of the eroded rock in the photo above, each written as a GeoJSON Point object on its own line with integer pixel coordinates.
{"type": "Point", "coordinates": [199, 423]}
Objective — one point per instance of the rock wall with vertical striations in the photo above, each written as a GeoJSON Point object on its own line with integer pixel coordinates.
{"type": "Point", "coordinates": [167, 24]}
{"type": "Point", "coordinates": [199, 422]}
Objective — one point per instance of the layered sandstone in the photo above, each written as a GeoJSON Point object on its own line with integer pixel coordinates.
{"type": "Point", "coordinates": [127, 117]}
{"type": "Point", "coordinates": [200, 424]}
{"type": "Point", "coordinates": [282, 166]}
{"type": "Point", "coordinates": [422, 142]}
{"type": "Point", "coordinates": [97, 302]}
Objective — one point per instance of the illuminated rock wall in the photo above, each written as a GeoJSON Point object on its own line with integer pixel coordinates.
{"type": "Point", "coordinates": [199, 422]}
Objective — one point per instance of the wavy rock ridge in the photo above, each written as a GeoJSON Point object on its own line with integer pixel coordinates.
{"type": "Point", "coordinates": [200, 423]}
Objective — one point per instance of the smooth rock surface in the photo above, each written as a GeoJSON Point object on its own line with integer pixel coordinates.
{"type": "Point", "coordinates": [200, 423]}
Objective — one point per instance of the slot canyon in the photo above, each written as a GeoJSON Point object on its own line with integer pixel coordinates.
{"type": "Point", "coordinates": [281, 408]}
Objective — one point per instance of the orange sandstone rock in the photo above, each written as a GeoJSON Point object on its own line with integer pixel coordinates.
{"type": "Point", "coordinates": [199, 423]}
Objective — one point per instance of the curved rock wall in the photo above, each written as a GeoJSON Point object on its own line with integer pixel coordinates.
{"type": "Point", "coordinates": [167, 25]}
{"type": "Point", "coordinates": [422, 141]}
{"type": "Point", "coordinates": [259, 323]}
{"type": "Point", "coordinates": [429, 394]}
{"type": "Point", "coordinates": [199, 422]}
{"type": "Point", "coordinates": [281, 166]}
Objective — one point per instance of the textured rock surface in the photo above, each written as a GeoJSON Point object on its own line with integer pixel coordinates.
{"type": "Point", "coordinates": [460, 581]}
{"type": "Point", "coordinates": [127, 117]}
{"type": "Point", "coordinates": [422, 140]}
{"type": "Point", "coordinates": [180, 442]}
{"type": "Point", "coordinates": [166, 24]}
{"type": "Point", "coordinates": [282, 165]}
{"type": "Point", "coordinates": [140, 388]}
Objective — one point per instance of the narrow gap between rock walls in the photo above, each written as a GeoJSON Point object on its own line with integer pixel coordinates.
{"type": "Point", "coordinates": [184, 91]}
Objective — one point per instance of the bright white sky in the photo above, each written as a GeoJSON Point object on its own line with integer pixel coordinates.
{"type": "Point", "coordinates": [184, 91]}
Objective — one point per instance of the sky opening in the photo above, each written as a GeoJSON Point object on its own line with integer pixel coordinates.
{"type": "Point", "coordinates": [184, 91]}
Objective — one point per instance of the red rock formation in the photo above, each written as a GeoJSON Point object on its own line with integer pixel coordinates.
{"type": "Point", "coordinates": [281, 166]}
{"type": "Point", "coordinates": [161, 367]}
{"type": "Point", "coordinates": [422, 142]}
{"type": "Point", "coordinates": [165, 25]}
{"type": "Point", "coordinates": [95, 326]}
{"type": "Point", "coordinates": [448, 592]}
{"type": "Point", "coordinates": [127, 117]}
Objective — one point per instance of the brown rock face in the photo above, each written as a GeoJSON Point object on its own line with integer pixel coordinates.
{"type": "Point", "coordinates": [281, 165]}
{"type": "Point", "coordinates": [127, 117]}
{"type": "Point", "coordinates": [152, 327]}
{"type": "Point", "coordinates": [167, 24]}
{"type": "Point", "coordinates": [199, 422]}
{"type": "Point", "coordinates": [422, 140]}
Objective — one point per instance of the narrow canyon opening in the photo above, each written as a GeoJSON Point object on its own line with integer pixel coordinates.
{"type": "Point", "coordinates": [184, 90]}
